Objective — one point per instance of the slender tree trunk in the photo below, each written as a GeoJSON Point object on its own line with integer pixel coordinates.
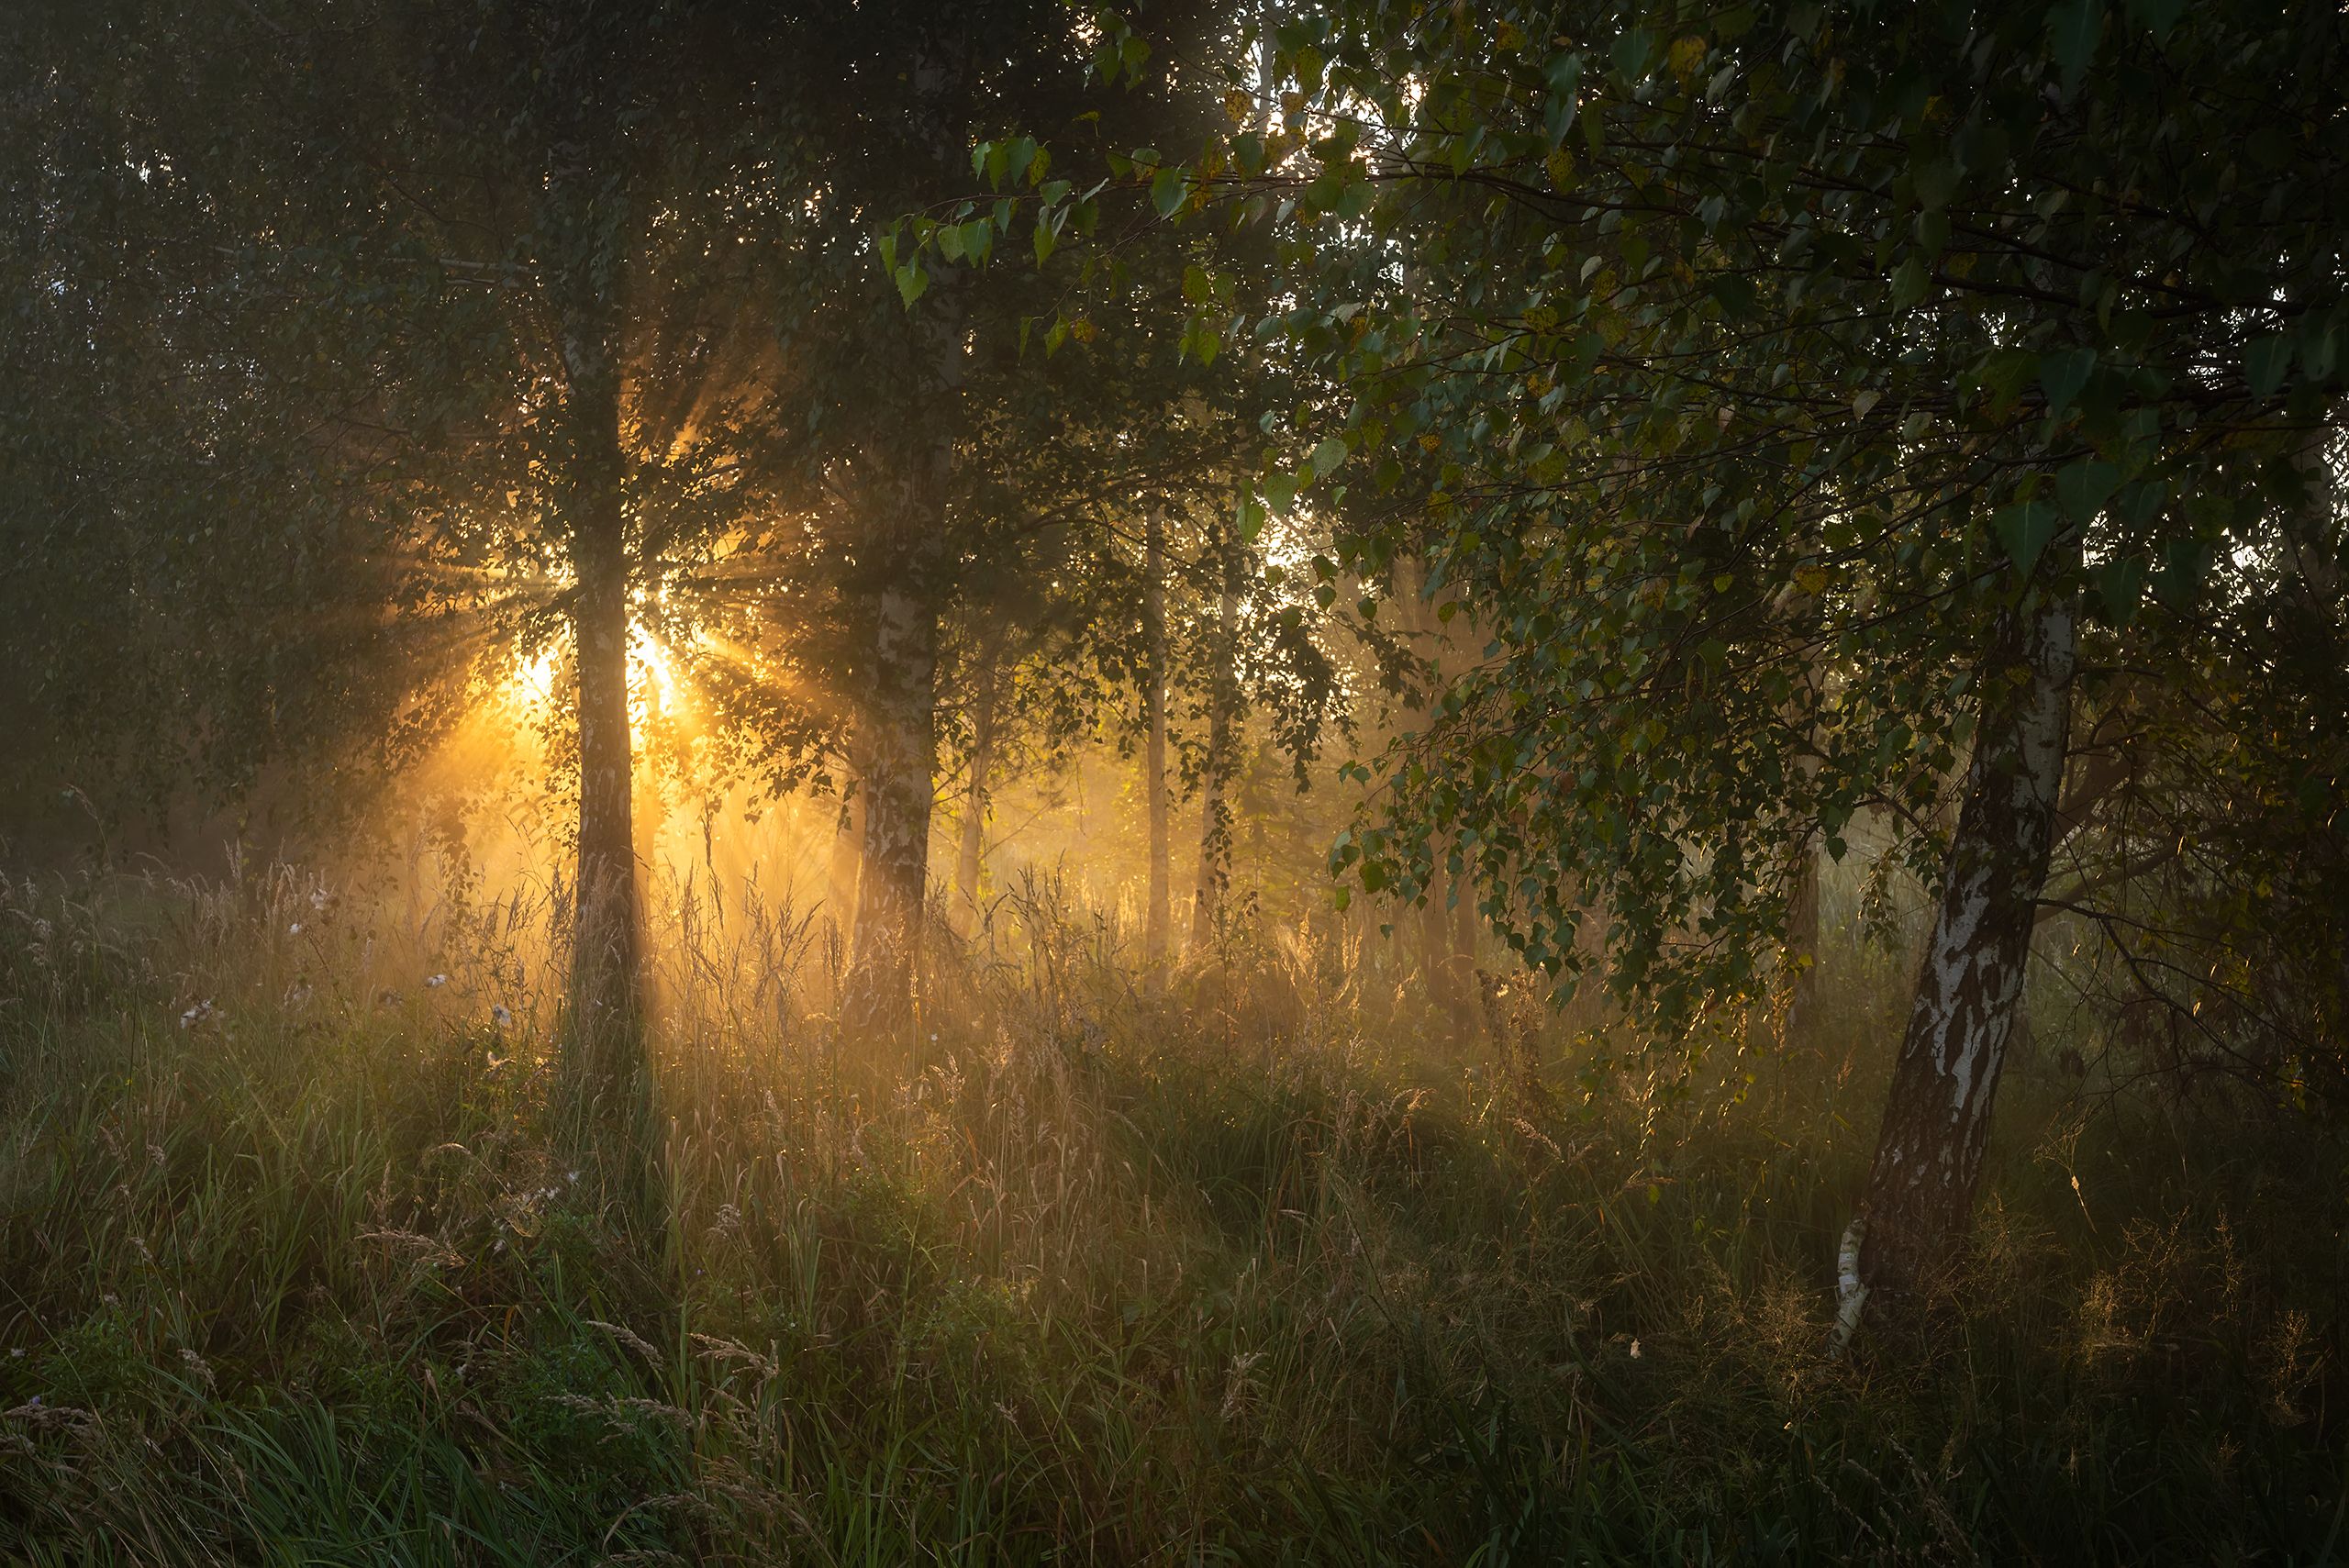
{"type": "Point", "coordinates": [846, 868]}
{"type": "Point", "coordinates": [1929, 1151]}
{"type": "Point", "coordinates": [1436, 942]}
{"type": "Point", "coordinates": [1800, 954]}
{"type": "Point", "coordinates": [908, 561]}
{"type": "Point", "coordinates": [1466, 923]}
{"type": "Point", "coordinates": [1158, 921]}
{"type": "Point", "coordinates": [970, 864]}
{"type": "Point", "coordinates": [1215, 805]}
{"type": "Point", "coordinates": [1453, 946]}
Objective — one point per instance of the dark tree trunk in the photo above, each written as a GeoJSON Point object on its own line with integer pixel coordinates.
{"type": "Point", "coordinates": [606, 935]}
{"type": "Point", "coordinates": [970, 864]}
{"type": "Point", "coordinates": [586, 224]}
{"type": "Point", "coordinates": [1929, 1151]}
{"type": "Point", "coordinates": [1462, 961]}
{"type": "Point", "coordinates": [1800, 954]}
{"type": "Point", "coordinates": [1158, 919]}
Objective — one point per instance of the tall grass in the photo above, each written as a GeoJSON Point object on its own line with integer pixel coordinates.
{"type": "Point", "coordinates": [293, 1268]}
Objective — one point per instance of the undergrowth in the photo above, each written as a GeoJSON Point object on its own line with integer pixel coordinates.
{"type": "Point", "coordinates": [294, 1268]}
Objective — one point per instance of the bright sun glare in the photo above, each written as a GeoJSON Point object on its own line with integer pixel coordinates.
{"type": "Point", "coordinates": [652, 676]}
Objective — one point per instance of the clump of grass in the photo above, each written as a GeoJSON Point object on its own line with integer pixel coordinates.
{"type": "Point", "coordinates": [1090, 1272]}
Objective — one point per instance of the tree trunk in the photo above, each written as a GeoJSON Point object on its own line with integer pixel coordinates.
{"type": "Point", "coordinates": [1215, 805]}
{"type": "Point", "coordinates": [1929, 1150]}
{"type": "Point", "coordinates": [605, 935]}
{"type": "Point", "coordinates": [908, 560]}
{"type": "Point", "coordinates": [1465, 924]}
{"type": "Point", "coordinates": [585, 218]}
{"type": "Point", "coordinates": [971, 863]}
{"type": "Point", "coordinates": [899, 756]}
{"type": "Point", "coordinates": [1800, 954]}
{"type": "Point", "coordinates": [842, 884]}
{"type": "Point", "coordinates": [1437, 942]}
{"type": "Point", "coordinates": [1158, 919]}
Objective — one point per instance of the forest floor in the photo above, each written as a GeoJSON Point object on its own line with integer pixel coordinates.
{"type": "Point", "coordinates": [298, 1264]}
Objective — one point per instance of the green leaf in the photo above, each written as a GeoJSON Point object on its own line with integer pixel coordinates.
{"type": "Point", "coordinates": [1021, 158]}
{"type": "Point", "coordinates": [2083, 488]}
{"type": "Point", "coordinates": [913, 282]}
{"type": "Point", "coordinates": [2062, 374]}
{"type": "Point", "coordinates": [1631, 52]}
{"type": "Point", "coordinates": [2121, 587]}
{"type": "Point", "coordinates": [1280, 492]}
{"type": "Point", "coordinates": [1167, 191]}
{"type": "Point", "coordinates": [1908, 283]}
{"type": "Point", "coordinates": [2264, 363]}
{"type": "Point", "coordinates": [2026, 528]}
{"type": "Point", "coordinates": [1328, 456]}
{"type": "Point", "coordinates": [1197, 286]}
{"type": "Point", "coordinates": [2180, 583]}
{"type": "Point", "coordinates": [2072, 29]}
{"type": "Point", "coordinates": [2140, 503]}
{"type": "Point", "coordinates": [2157, 17]}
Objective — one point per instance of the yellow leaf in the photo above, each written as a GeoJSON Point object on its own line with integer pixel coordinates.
{"type": "Point", "coordinates": [1688, 58]}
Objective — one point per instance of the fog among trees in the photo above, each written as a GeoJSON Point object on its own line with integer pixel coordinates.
{"type": "Point", "coordinates": [1264, 782]}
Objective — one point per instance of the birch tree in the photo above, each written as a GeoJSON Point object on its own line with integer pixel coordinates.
{"type": "Point", "coordinates": [1819, 405]}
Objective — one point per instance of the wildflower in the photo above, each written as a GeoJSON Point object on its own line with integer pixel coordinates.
{"type": "Point", "coordinates": [434, 981]}
{"type": "Point", "coordinates": [1635, 1349]}
{"type": "Point", "coordinates": [319, 896]}
{"type": "Point", "coordinates": [201, 1013]}
{"type": "Point", "coordinates": [17, 1354]}
{"type": "Point", "coordinates": [496, 1061]}
{"type": "Point", "coordinates": [572, 1178]}
{"type": "Point", "coordinates": [294, 930]}
{"type": "Point", "coordinates": [500, 1015]}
